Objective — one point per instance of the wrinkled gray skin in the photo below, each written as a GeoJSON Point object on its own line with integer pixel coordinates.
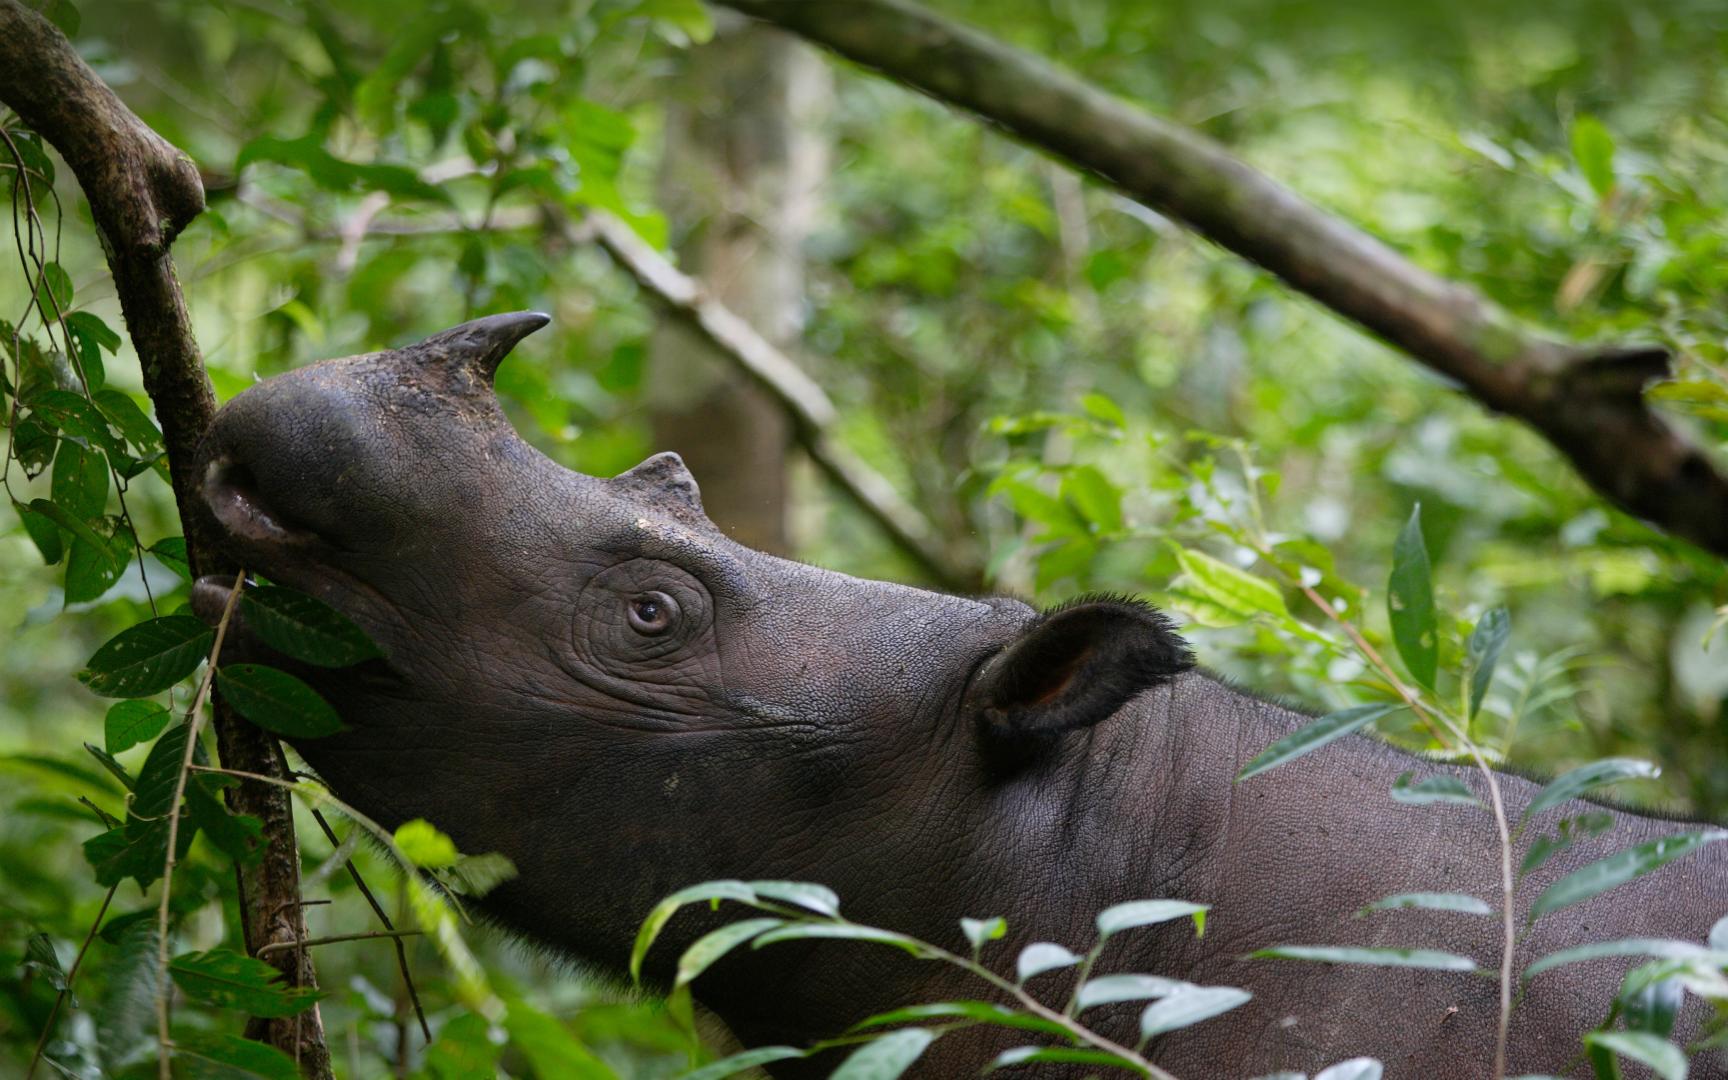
{"type": "Point", "coordinates": [789, 722]}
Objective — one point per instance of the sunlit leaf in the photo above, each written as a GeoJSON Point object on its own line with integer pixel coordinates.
{"type": "Point", "coordinates": [885, 1058]}
{"type": "Point", "coordinates": [1042, 956]}
{"type": "Point", "coordinates": [1593, 148]}
{"type": "Point", "coordinates": [1242, 594]}
{"type": "Point", "coordinates": [1137, 913]}
{"type": "Point", "coordinates": [843, 931]}
{"type": "Point", "coordinates": [1057, 1055]}
{"type": "Point", "coordinates": [665, 909]}
{"type": "Point", "coordinates": [982, 1011]}
{"type": "Point", "coordinates": [1431, 901]}
{"type": "Point", "coordinates": [818, 898]}
{"type": "Point", "coordinates": [1429, 959]}
{"type": "Point", "coordinates": [1189, 1006]}
{"type": "Point", "coordinates": [712, 946]}
{"type": "Point", "coordinates": [1109, 989]}
{"type": "Point", "coordinates": [979, 931]}
{"type": "Point", "coordinates": [1410, 603]}
{"type": "Point", "coordinates": [1658, 947]}
{"type": "Point", "coordinates": [1619, 868]}
{"type": "Point", "coordinates": [422, 844]}
{"type": "Point", "coordinates": [1313, 736]}
{"type": "Point", "coordinates": [1588, 777]}
{"type": "Point", "coordinates": [1661, 1056]}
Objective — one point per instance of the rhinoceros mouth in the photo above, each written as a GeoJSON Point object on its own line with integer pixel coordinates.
{"type": "Point", "coordinates": [231, 491]}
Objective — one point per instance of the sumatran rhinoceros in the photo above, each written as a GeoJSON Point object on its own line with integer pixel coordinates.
{"type": "Point", "coordinates": [589, 677]}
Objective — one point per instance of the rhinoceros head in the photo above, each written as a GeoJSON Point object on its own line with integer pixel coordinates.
{"type": "Point", "coordinates": [588, 676]}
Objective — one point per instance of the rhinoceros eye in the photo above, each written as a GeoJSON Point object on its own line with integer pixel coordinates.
{"type": "Point", "coordinates": [652, 613]}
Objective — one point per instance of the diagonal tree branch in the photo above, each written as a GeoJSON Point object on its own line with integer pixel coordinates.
{"type": "Point", "coordinates": [1585, 400]}
{"type": "Point", "coordinates": [142, 192]}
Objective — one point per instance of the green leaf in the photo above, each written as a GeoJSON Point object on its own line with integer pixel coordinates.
{"type": "Point", "coordinates": [224, 979]}
{"type": "Point", "coordinates": [1654, 1008]}
{"type": "Point", "coordinates": [1235, 591]}
{"type": "Point", "coordinates": [42, 531]}
{"type": "Point", "coordinates": [1410, 603]}
{"type": "Point", "coordinates": [749, 1059]}
{"type": "Point", "coordinates": [665, 909]}
{"type": "Point", "coordinates": [1586, 778]}
{"type": "Point", "coordinates": [1431, 901]}
{"type": "Point", "coordinates": [979, 931]}
{"type": "Point", "coordinates": [304, 628]}
{"type": "Point", "coordinates": [1104, 409]}
{"type": "Point", "coordinates": [131, 722]}
{"type": "Point", "coordinates": [817, 898]}
{"type": "Point", "coordinates": [712, 946]}
{"type": "Point", "coordinates": [422, 844]}
{"type": "Point", "coordinates": [39, 956]}
{"type": "Point", "coordinates": [148, 658]}
{"type": "Point", "coordinates": [1486, 642]}
{"type": "Point", "coordinates": [126, 1013]}
{"type": "Point", "coordinates": [277, 701]}
{"type": "Point", "coordinates": [93, 567]}
{"type": "Point", "coordinates": [74, 414]}
{"type": "Point", "coordinates": [1188, 1007]}
{"type": "Point", "coordinates": [1593, 147]}
{"type": "Point", "coordinates": [1137, 913]}
{"type": "Point", "coordinates": [1568, 832]}
{"type": "Point", "coordinates": [54, 291]}
{"type": "Point", "coordinates": [885, 1058]}
{"type": "Point", "coordinates": [464, 1050]}
{"type": "Point", "coordinates": [1095, 497]}
{"type": "Point", "coordinates": [982, 1011]}
{"type": "Point", "coordinates": [1305, 740]}
{"type": "Point", "coordinates": [477, 875]}
{"type": "Point", "coordinates": [1063, 1055]}
{"type": "Point", "coordinates": [172, 552]}
{"type": "Point", "coordinates": [207, 1055]}
{"type": "Point", "coordinates": [1428, 959]}
{"type": "Point", "coordinates": [1041, 956]}
{"type": "Point", "coordinates": [128, 418]}
{"type": "Point", "coordinates": [1619, 868]}
{"type": "Point", "coordinates": [1658, 1054]}
{"type": "Point", "coordinates": [844, 931]}
{"type": "Point", "coordinates": [1432, 790]}
{"type": "Point", "coordinates": [238, 836]}
{"type": "Point", "coordinates": [1109, 989]}
{"type": "Point", "coordinates": [80, 484]}
{"type": "Point", "coordinates": [1362, 1068]}
{"type": "Point", "coordinates": [550, 1047]}
{"type": "Point", "coordinates": [107, 761]}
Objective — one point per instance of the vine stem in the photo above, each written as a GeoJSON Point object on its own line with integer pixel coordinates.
{"type": "Point", "coordinates": [194, 722]}
{"type": "Point", "coordinates": [284, 946]}
{"type": "Point", "coordinates": [1435, 721]}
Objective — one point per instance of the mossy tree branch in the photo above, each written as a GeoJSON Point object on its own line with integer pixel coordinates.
{"type": "Point", "coordinates": [1584, 399]}
{"type": "Point", "coordinates": [142, 191]}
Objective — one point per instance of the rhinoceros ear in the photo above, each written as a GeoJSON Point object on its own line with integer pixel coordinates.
{"type": "Point", "coordinates": [1076, 665]}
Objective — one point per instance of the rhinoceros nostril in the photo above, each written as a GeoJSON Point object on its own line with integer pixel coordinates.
{"type": "Point", "coordinates": [231, 491]}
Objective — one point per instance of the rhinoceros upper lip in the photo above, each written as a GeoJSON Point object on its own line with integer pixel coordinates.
{"type": "Point", "coordinates": [232, 494]}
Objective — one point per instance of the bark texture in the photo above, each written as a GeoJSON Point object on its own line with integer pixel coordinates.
{"type": "Point", "coordinates": [743, 162]}
{"type": "Point", "coordinates": [142, 191]}
{"type": "Point", "coordinates": [1586, 400]}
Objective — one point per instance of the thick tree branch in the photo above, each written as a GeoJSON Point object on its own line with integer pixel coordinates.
{"type": "Point", "coordinates": [142, 192]}
{"type": "Point", "coordinates": [1586, 400]}
{"type": "Point", "coordinates": [812, 413]}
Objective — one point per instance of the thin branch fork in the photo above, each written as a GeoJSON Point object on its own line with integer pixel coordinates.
{"type": "Point", "coordinates": [142, 191]}
{"type": "Point", "coordinates": [1586, 400]}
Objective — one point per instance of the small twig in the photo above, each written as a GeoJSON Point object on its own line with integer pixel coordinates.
{"type": "Point", "coordinates": [194, 723]}
{"type": "Point", "coordinates": [284, 946]}
{"type": "Point", "coordinates": [66, 990]}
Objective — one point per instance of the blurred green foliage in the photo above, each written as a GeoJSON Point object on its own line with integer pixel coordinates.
{"type": "Point", "coordinates": [1082, 395]}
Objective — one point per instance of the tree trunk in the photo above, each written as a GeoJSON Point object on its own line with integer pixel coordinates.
{"type": "Point", "coordinates": [742, 165]}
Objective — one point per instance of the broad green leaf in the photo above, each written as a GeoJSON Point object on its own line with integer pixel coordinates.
{"type": "Point", "coordinates": [1619, 868]}
{"type": "Point", "coordinates": [422, 844]}
{"type": "Point", "coordinates": [1431, 901]}
{"type": "Point", "coordinates": [224, 979]}
{"type": "Point", "coordinates": [1484, 648]}
{"type": "Point", "coordinates": [1136, 913]}
{"type": "Point", "coordinates": [115, 769]}
{"type": "Point", "coordinates": [153, 795]}
{"type": "Point", "coordinates": [43, 532]}
{"type": "Point", "coordinates": [148, 658]}
{"type": "Point", "coordinates": [80, 483]}
{"type": "Point", "coordinates": [1428, 959]}
{"type": "Point", "coordinates": [979, 931]}
{"type": "Point", "coordinates": [54, 291]}
{"type": "Point", "coordinates": [1042, 956]}
{"type": "Point", "coordinates": [749, 1059]}
{"type": "Point", "coordinates": [1653, 1008]}
{"type": "Point", "coordinates": [550, 1047]}
{"type": "Point", "coordinates": [1661, 1056]}
{"type": "Point", "coordinates": [238, 836]}
{"type": "Point", "coordinates": [1189, 1006]}
{"type": "Point", "coordinates": [983, 1011]}
{"type": "Point", "coordinates": [304, 628]}
{"type": "Point", "coordinates": [75, 415]}
{"type": "Point", "coordinates": [1058, 1055]}
{"type": "Point", "coordinates": [124, 413]}
{"type": "Point", "coordinates": [844, 931]}
{"type": "Point", "coordinates": [92, 567]}
{"type": "Point", "coordinates": [208, 1055]}
{"type": "Point", "coordinates": [1596, 774]}
{"type": "Point", "coordinates": [126, 1014]}
{"type": "Point", "coordinates": [1667, 948]}
{"type": "Point", "coordinates": [172, 553]}
{"type": "Point", "coordinates": [1307, 739]}
{"type": "Point", "coordinates": [818, 898]}
{"type": "Point", "coordinates": [1109, 989]}
{"type": "Point", "coordinates": [464, 1050]}
{"type": "Point", "coordinates": [131, 722]}
{"type": "Point", "coordinates": [1236, 591]}
{"type": "Point", "coordinates": [712, 946]}
{"type": "Point", "coordinates": [1593, 148]}
{"type": "Point", "coordinates": [1361, 1068]}
{"type": "Point", "coordinates": [1098, 500]}
{"type": "Point", "coordinates": [1432, 790]}
{"type": "Point", "coordinates": [885, 1058]}
{"type": "Point", "coordinates": [1104, 409]}
{"type": "Point", "coordinates": [277, 701]}
{"type": "Point", "coordinates": [665, 909]}
{"type": "Point", "coordinates": [1410, 603]}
